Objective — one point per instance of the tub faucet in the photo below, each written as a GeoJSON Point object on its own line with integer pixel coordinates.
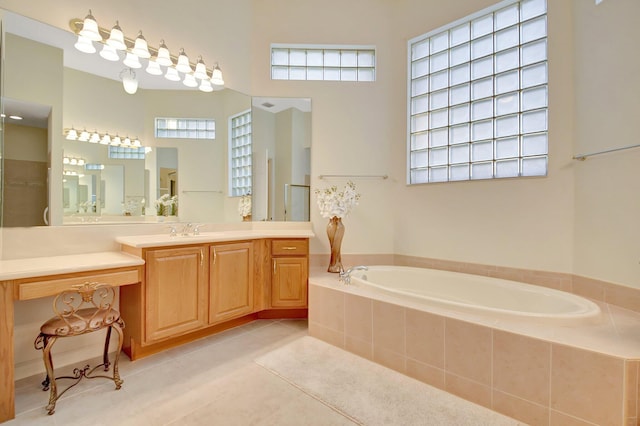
{"type": "Point", "coordinates": [345, 276]}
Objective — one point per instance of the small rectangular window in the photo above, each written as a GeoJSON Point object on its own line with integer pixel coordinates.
{"type": "Point", "coordinates": [240, 146]}
{"type": "Point", "coordinates": [185, 128]}
{"type": "Point", "coordinates": [126, 153]}
{"type": "Point", "coordinates": [337, 63]}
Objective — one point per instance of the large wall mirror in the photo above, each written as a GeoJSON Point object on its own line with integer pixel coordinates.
{"type": "Point", "coordinates": [50, 180]}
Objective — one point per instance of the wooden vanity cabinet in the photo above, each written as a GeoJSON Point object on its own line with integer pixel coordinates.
{"type": "Point", "coordinates": [176, 291]}
{"type": "Point", "coordinates": [231, 281]}
{"type": "Point", "coordinates": [290, 272]}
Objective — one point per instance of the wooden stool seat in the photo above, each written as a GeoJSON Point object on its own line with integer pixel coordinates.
{"type": "Point", "coordinates": [83, 309]}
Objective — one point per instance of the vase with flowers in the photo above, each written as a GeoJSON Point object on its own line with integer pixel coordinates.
{"type": "Point", "coordinates": [244, 207]}
{"type": "Point", "coordinates": [335, 205]}
{"type": "Point", "coordinates": [166, 205]}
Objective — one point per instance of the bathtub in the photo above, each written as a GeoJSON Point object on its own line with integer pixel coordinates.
{"type": "Point", "coordinates": [500, 298]}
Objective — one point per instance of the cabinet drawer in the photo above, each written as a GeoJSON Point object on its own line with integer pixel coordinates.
{"type": "Point", "coordinates": [52, 286]}
{"type": "Point", "coordinates": [290, 247]}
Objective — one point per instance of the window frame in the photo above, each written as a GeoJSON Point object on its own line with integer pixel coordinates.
{"type": "Point", "coordinates": [426, 146]}
{"type": "Point", "coordinates": [350, 72]}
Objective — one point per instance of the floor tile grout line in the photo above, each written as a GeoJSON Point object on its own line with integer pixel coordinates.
{"type": "Point", "coordinates": [301, 389]}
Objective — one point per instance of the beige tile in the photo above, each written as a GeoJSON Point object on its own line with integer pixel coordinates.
{"type": "Point", "coordinates": [390, 359]}
{"type": "Point", "coordinates": [425, 373]}
{"type": "Point", "coordinates": [626, 297]}
{"type": "Point", "coordinates": [521, 366]}
{"type": "Point", "coordinates": [326, 307]}
{"type": "Point", "coordinates": [587, 287]}
{"type": "Point", "coordinates": [579, 377]}
{"type": "Point", "coordinates": [388, 327]}
{"type": "Point", "coordinates": [358, 321]}
{"type": "Point", "coordinates": [468, 389]}
{"type": "Point", "coordinates": [520, 409]}
{"type": "Point", "coordinates": [425, 337]}
{"type": "Point", "coordinates": [359, 347]}
{"type": "Point", "coordinates": [561, 419]}
{"type": "Point", "coordinates": [468, 350]}
{"type": "Point", "coordinates": [328, 335]}
{"type": "Point", "coordinates": [631, 388]}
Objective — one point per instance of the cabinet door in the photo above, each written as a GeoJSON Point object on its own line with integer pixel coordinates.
{"type": "Point", "coordinates": [176, 291]}
{"type": "Point", "coordinates": [289, 282]}
{"type": "Point", "coordinates": [231, 291]}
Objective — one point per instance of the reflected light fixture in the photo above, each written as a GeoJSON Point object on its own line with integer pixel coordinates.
{"type": "Point", "coordinates": [109, 53]}
{"type": "Point", "coordinates": [129, 81]}
{"type": "Point", "coordinates": [190, 80]}
{"type": "Point", "coordinates": [84, 136]}
{"type": "Point", "coordinates": [116, 38]}
{"type": "Point", "coordinates": [132, 61]}
{"type": "Point", "coordinates": [101, 138]}
{"type": "Point", "coordinates": [172, 74]}
{"type": "Point", "coordinates": [153, 67]}
{"type": "Point", "coordinates": [85, 45]}
{"type": "Point", "coordinates": [205, 85]}
{"type": "Point", "coordinates": [72, 135]}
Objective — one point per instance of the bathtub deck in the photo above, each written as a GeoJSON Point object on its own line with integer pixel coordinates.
{"type": "Point", "coordinates": [617, 335]}
{"type": "Point", "coordinates": [540, 374]}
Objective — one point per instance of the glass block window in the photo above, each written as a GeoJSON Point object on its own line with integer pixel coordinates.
{"type": "Point", "coordinates": [185, 128]}
{"type": "Point", "coordinates": [335, 63]}
{"type": "Point", "coordinates": [126, 153]}
{"type": "Point", "coordinates": [478, 96]}
{"type": "Point", "coordinates": [240, 154]}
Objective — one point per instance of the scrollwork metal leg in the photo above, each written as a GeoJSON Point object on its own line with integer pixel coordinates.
{"type": "Point", "coordinates": [48, 362]}
{"type": "Point", "coordinates": [105, 356]}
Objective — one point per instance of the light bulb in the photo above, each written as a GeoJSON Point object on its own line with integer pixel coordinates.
{"type": "Point", "coordinates": [201, 70]}
{"type": "Point", "coordinates": [116, 38]}
{"type": "Point", "coordinates": [140, 48]}
{"type": "Point", "coordinates": [172, 74]}
{"type": "Point", "coordinates": [109, 53]}
{"type": "Point", "coordinates": [132, 61]}
{"type": "Point", "coordinates": [183, 64]}
{"type": "Point", "coordinates": [153, 68]}
{"type": "Point", "coordinates": [164, 57]}
{"type": "Point", "coordinates": [90, 28]}
{"type": "Point", "coordinates": [129, 81]}
{"type": "Point", "coordinates": [85, 45]}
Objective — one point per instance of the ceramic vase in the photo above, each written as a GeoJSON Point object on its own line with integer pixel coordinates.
{"type": "Point", "coordinates": [335, 232]}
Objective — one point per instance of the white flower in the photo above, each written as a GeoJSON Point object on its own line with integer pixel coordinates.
{"type": "Point", "coordinates": [244, 206]}
{"type": "Point", "coordinates": [339, 204]}
{"type": "Point", "coordinates": [167, 204]}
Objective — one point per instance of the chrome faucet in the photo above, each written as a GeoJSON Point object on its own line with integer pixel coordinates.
{"type": "Point", "coordinates": [186, 229]}
{"type": "Point", "coordinates": [345, 276]}
{"type": "Point", "coordinates": [196, 229]}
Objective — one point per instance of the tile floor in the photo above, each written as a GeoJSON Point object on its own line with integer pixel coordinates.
{"type": "Point", "coordinates": [211, 381]}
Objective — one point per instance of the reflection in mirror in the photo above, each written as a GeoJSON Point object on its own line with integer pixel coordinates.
{"type": "Point", "coordinates": [25, 163]}
{"type": "Point", "coordinates": [83, 95]}
{"type": "Point", "coordinates": [281, 158]}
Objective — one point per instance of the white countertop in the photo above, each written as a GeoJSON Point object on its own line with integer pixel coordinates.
{"type": "Point", "coordinates": [54, 265]}
{"type": "Point", "coordinates": [158, 240]}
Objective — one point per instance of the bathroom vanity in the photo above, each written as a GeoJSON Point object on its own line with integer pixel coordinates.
{"type": "Point", "coordinates": [196, 285]}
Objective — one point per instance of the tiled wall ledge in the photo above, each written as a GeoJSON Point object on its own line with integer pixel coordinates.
{"type": "Point", "coordinates": [615, 294]}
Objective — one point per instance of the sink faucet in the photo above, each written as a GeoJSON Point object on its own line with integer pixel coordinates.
{"type": "Point", "coordinates": [196, 229]}
{"type": "Point", "coordinates": [186, 229]}
{"type": "Point", "coordinates": [345, 276]}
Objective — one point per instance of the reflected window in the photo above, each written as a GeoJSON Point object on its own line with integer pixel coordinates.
{"type": "Point", "coordinates": [121, 152]}
{"type": "Point", "coordinates": [478, 96]}
{"type": "Point", "coordinates": [185, 128]}
{"type": "Point", "coordinates": [240, 154]}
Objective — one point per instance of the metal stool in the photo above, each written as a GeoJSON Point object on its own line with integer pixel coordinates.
{"type": "Point", "coordinates": [83, 309]}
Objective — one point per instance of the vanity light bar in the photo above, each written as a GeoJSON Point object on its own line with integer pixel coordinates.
{"type": "Point", "coordinates": [101, 138]}
{"type": "Point", "coordinates": [114, 41]}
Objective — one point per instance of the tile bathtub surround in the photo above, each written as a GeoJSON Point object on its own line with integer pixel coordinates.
{"type": "Point", "coordinates": [532, 380]}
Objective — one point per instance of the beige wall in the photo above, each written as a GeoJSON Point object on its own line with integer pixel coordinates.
{"type": "Point", "coordinates": [582, 218]}
{"type": "Point", "coordinates": [607, 187]}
